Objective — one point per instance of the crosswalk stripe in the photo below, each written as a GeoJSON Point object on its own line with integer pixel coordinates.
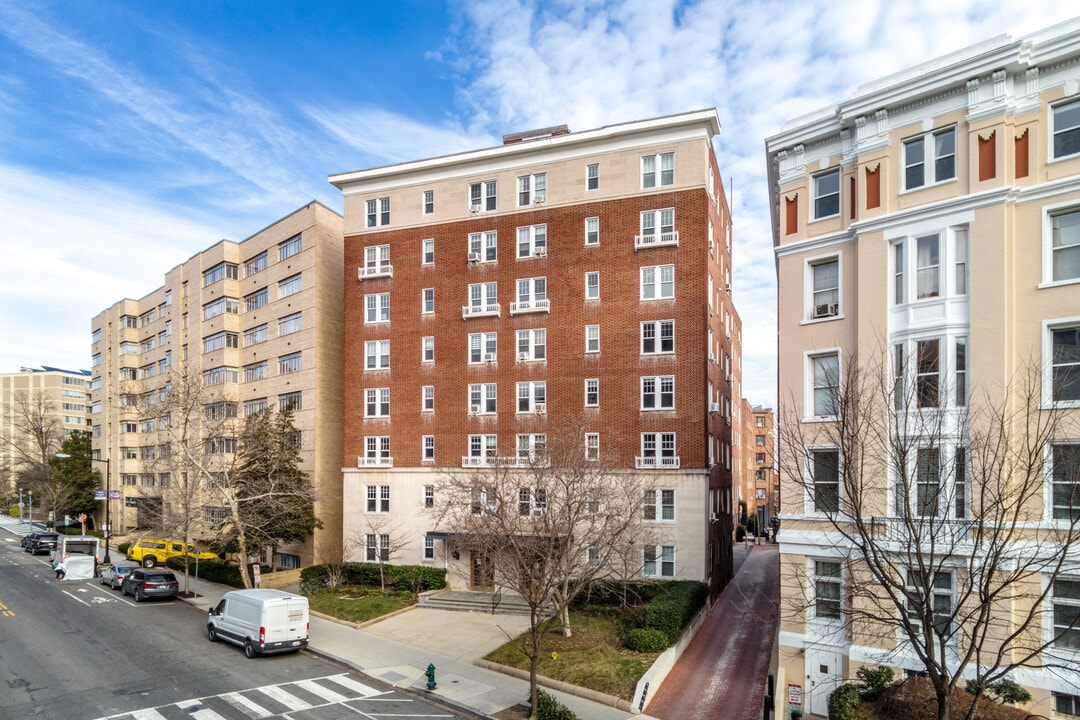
{"type": "Point", "coordinates": [147, 714]}
{"type": "Point", "coordinates": [364, 690]}
{"type": "Point", "coordinates": [202, 714]}
{"type": "Point", "coordinates": [323, 692]}
{"type": "Point", "coordinates": [246, 705]}
{"type": "Point", "coordinates": [285, 698]}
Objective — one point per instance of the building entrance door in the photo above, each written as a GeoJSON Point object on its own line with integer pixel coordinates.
{"type": "Point", "coordinates": [824, 673]}
{"type": "Point", "coordinates": [482, 575]}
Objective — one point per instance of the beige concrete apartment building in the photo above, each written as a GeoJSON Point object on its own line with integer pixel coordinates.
{"type": "Point", "coordinates": [63, 394]}
{"type": "Point", "coordinates": [758, 473]}
{"type": "Point", "coordinates": [259, 323]}
{"type": "Point", "coordinates": [928, 225]}
{"type": "Point", "coordinates": [562, 278]}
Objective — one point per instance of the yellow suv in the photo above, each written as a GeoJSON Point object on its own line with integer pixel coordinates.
{"type": "Point", "coordinates": [149, 553]}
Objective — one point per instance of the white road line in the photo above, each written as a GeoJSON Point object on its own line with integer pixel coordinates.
{"type": "Point", "coordinates": [246, 705]}
{"type": "Point", "coordinates": [323, 692]}
{"type": "Point", "coordinates": [77, 599]}
{"type": "Point", "coordinates": [147, 714]}
{"type": "Point", "coordinates": [285, 698]}
{"type": "Point", "coordinates": [364, 690]}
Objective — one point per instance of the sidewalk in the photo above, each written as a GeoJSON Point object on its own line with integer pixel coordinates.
{"type": "Point", "coordinates": [389, 650]}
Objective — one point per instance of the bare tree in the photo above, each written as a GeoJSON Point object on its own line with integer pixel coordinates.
{"type": "Point", "coordinates": [33, 443]}
{"type": "Point", "coordinates": [936, 509]}
{"type": "Point", "coordinates": [548, 522]}
{"type": "Point", "coordinates": [379, 539]}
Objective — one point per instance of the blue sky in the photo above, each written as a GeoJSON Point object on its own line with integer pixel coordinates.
{"type": "Point", "coordinates": [133, 135]}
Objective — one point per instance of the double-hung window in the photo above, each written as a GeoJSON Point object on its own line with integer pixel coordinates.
{"type": "Point", "coordinates": [657, 337]}
{"type": "Point", "coordinates": [827, 194]}
{"type": "Point", "coordinates": [928, 266]}
{"type": "Point", "coordinates": [377, 355]}
{"type": "Point", "coordinates": [377, 452]}
{"type": "Point", "coordinates": [825, 384]}
{"type": "Point", "coordinates": [825, 476]}
{"type": "Point", "coordinates": [658, 505]}
{"type": "Point", "coordinates": [532, 396]}
{"type": "Point", "coordinates": [482, 196]}
{"type": "Point", "coordinates": [934, 594]}
{"type": "Point", "coordinates": [427, 301]}
{"type": "Point", "coordinates": [1065, 363]}
{"type": "Point", "coordinates": [531, 295]}
{"type": "Point", "coordinates": [927, 482]}
{"type": "Point", "coordinates": [482, 446]}
{"type": "Point", "coordinates": [427, 252]}
{"type": "Point", "coordinates": [592, 176]}
{"type": "Point", "coordinates": [483, 398]}
{"type": "Point", "coordinates": [592, 231]}
{"type": "Point", "coordinates": [483, 347]}
{"type": "Point", "coordinates": [592, 285]}
{"type": "Point", "coordinates": [377, 402]}
{"type": "Point", "coordinates": [658, 561]}
{"type": "Point", "coordinates": [484, 246]}
{"type": "Point", "coordinates": [1065, 481]}
{"type": "Point", "coordinates": [427, 353]}
{"type": "Point", "coordinates": [657, 282]}
{"type": "Point", "coordinates": [532, 344]}
{"type": "Point", "coordinates": [592, 392]}
{"type": "Point", "coordinates": [1066, 118]}
{"type": "Point", "coordinates": [483, 299]}
{"type": "Point", "coordinates": [827, 586]}
{"type": "Point", "coordinates": [930, 158]}
{"type": "Point", "coordinates": [1066, 601]}
{"type": "Point", "coordinates": [532, 241]}
{"type": "Point", "coordinates": [592, 446]}
{"type": "Point", "coordinates": [1065, 244]}
{"type": "Point", "coordinates": [378, 498]}
{"type": "Point", "coordinates": [377, 307]}
{"type": "Point", "coordinates": [429, 456]}
{"type": "Point", "coordinates": [928, 372]}
{"type": "Point", "coordinates": [657, 170]}
{"type": "Point", "coordinates": [592, 338]}
{"type": "Point", "coordinates": [429, 202]}
{"type": "Point", "coordinates": [658, 228]}
{"type": "Point", "coordinates": [428, 401]}
{"type": "Point", "coordinates": [291, 285]}
{"type": "Point", "coordinates": [658, 451]}
{"type": "Point", "coordinates": [531, 446]}
{"type": "Point", "coordinates": [825, 288]}
{"type": "Point", "coordinates": [658, 392]}
{"type": "Point", "coordinates": [378, 547]}
{"type": "Point", "coordinates": [377, 261]}
{"type": "Point", "coordinates": [531, 189]}
{"type": "Point", "coordinates": [378, 212]}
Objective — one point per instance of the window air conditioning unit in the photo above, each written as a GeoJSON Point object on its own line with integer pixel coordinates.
{"type": "Point", "coordinates": [538, 201]}
{"type": "Point", "coordinates": [825, 310]}
{"type": "Point", "coordinates": [474, 208]}
{"type": "Point", "coordinates": [714, 407]}
{"type": "Point", "coordinates": [540, 252]}
{"type": "Point", "coordinates": [712, 517]}
{"type": "Point", "coordinates": [522, 357]}
{"type": "Point", "coordinates": [474, 258]}
{"type": "Point", "coordinates": [727, 419]}
{"type": "Point", "coordinates": [712, 357]}
{"type": "Point", "coordinates": [541, 408]}
{"type": "Point", "coordinates": [474, 410]}
{"type": "Point", "coordinates": [490, 357]}
{"type": "Point", "coordinates": [728, 377]}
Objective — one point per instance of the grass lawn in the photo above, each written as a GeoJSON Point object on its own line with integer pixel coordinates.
{"type": "Point", "coordinates": [593, 657]}
{"type": "Point", "coordinates": [358, 604]}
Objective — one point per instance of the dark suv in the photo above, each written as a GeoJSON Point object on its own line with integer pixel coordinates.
{"type": "Point", "coordinates": [40, 542]}
{"type": "Point", "coordinates": [153, 583]}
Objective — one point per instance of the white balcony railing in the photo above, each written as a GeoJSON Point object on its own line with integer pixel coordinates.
{"type": "Point", "coordinates": [375, 271]}
{"type": "Point", "coordinates": [656, 240]}
{"type": "Point", "coordinates": [530, 306]}
{"type": "Point", "coordinates": [662, 463]}
{"type": "Point", "coordinates": [383, 461]}
{"type": "Point", "coordinates": [493, 461]}
{"type": "Point", "coordinates": [470, 311]}
{"type": "Point", "coordinates": [921, 531]}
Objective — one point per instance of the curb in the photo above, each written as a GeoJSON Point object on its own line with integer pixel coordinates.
{"type": "Point", "coordinates": [563, 687]}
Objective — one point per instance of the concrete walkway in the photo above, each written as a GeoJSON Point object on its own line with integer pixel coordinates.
{"type": "Point", "coordinates": [723, 672]}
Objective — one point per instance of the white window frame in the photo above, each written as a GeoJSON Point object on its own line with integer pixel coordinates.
{"type": "Point", "coordinates": [657, 392]}
{"type": "Point", "coordinates": [658, 561]}
{"type": "Point", "coordinates": [483, 196]}
{"type": "Point", "coordinates": [1049, 327]}
{"type": "Point", "coordinates": [377, 260]}
{"type": "Point", "coordinates": [531, 241]}
{"type": "Point", "coordinates": [929, 160]}
{"type": "Point", "coordinates": [1054, 627]}
{"type": "Point", "coordinates": [592, 392]}
{"type": "Point", "coordinates": [592, 339]}
{"type": "Point", "coordinates": [657, 228]}
{"type": "Point", "coordinates": [592, 285]}
{"type": "Point", "coordinates": [377, 451]}
{"type": "Point", "coordinates": [657, 327]}
{"type": "Point", "coordinates": [376, 308]}
{"type": "Point", "coordinates": [429, 548]}
{"type": "Point", "coordinates": [657, 170]}
{"type": "Point", "coordinates": [427, 301]}
{"type": "Point", "coordinates": [654, 283]}
{"type": "Point", "coordinates": [484, 246]}
{"type": "Point", "coordinates": [1054, 511]}
{"type": "Point", "coordinates": [427, 349]}
{"type": "Point", "coordinates": [290, 247]}
{"type": "Point", "coordinates": [256, 335]}
{"type": "Point", "coordinates": [531, 189]}
{"type": "Point", "coordinates": [592, 447]}
{"type": "Point", "coordinates": [483, 398]}
{"type": "Point", "coordinates": [483, 347]}
{"type": "Point", "coordinates": [377, 402]}
{"type": "Point", "coordinates": [822, 581]}
{"type": "Point", "coordinates": [531, 396]}
{"type": "Point", "coordinates": [1050, 274]}
{"type": "Point", "coordinates": [483, 445]}
{"type": "Point", "coordinates": [427, 454]}
{"type": "Point", "coordinates": [427, 251]}
{"type": "Point", "coordinates": [592, 176]}
{"type": "Point", "coordinates": [377, 498]}
{"type": "Point", "coordinates": [531, 447]}
{"type": "Point", "coordinates": [427, 398]}
{"type": "Point", "coordinates": [659, 450]}
{"type": "Point", "coordinates": [822, 202]}
{"type": "Point", "coordinates": [812, 484]}
{"type": "Point", "coordinates": [532, 344]}
{"type": "Point", "coordinates": [291, 285]}
{"type": "Point", "coordinates": [812, 387]}
{"type": "Point", "coordinates": [823, 303]}
{"type": "Point", "coordinates": [483, 299]}
{"type": "Point", "coordinates": [377, 355]}
{"type": "Point", "coordinates": [377, 212]}
{"type": "Point", "coordinates": [427, 202]}
{"type": "Point", "coordinates": [592, 231]}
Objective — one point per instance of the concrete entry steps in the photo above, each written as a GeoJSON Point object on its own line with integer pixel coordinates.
{"type": "Point", "coordinates": [495, 603]}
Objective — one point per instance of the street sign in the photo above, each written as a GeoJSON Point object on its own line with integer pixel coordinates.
{"type": "Point", "coordinates": [256, 573]}
{"type": "Point", "coordinates": [794, 698]}
{"type": "Point", "coordinates": [114, 494]}
{"type": "Point", "coordinates": [99, 494]}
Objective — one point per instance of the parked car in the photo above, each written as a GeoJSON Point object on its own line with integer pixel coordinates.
{"type": "Point", "coordinates": [36, 542]}
{"type": "Point", "coordinates": [143, 584]}
{"type": "Point", "coordinates": [114, 575]}
{"type": "Point", "coordinates": [261, 621]}
{"type": "Point", "coordinates": [149, 553]}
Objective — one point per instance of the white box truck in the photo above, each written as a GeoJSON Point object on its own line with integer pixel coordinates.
{"type": "Point", "coordinates": [78, 553]}
{"type": "Point", "coordinates": [262, 622]}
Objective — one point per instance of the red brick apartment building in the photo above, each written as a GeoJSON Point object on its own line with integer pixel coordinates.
{"type": "Point", "coordinates": [559, 280]}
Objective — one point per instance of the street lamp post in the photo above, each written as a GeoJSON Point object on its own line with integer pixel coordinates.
{"type": "Point", "coordinates": [108, 527]}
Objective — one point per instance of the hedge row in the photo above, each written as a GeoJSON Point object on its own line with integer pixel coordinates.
{"type": "Point", "coordinates": [414, 578]}
{"type": "Point", "coordinates": [664, 607]}
{"type": "Point", "coordinates": [217, 571]}
{"type": "Point", "coordinates": [671, 610]}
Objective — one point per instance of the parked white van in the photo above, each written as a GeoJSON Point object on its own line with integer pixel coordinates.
{"type": "Point", "coordinates": [261, 621]}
